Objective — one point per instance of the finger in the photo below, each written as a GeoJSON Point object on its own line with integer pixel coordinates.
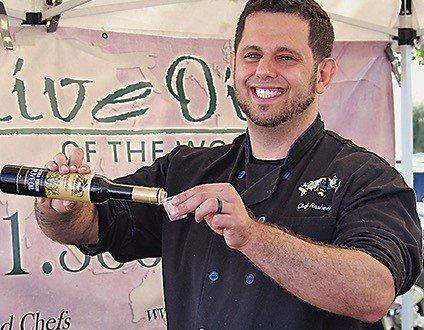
{"type": "Point", "coordinates": [76, 156]}
{"type": "Point", "coordinates": [222, 221]}
{"type": "Point", "coordinates": [210, 206]}
{"type": "Point", "coordinates": [55, 205]}
{"type": "Point", "coordinates": [208, 220]}
{"type": "Point", "coordinates": [192, 203]}
{"type": "Point", "coordinates": [62, 206]}
{"type": "Point", "coordinates": [60, 159]}
{"type": "Point", "coordinates": [219, 222]}
{"type": "Point", "coordinates": [62, 162]}
{"type": "Point", "coordinates": [43, 202]}
{"type": "Point", "coordinates": [84, 169]}
{"type": "Point", "coordinates": [182, 197]}
{"type": "Point", "coordinates": [189, 193]}
{"type": "Point", "coordinates": [51, 166]}
{"type": "Point", "coordinates": [207, 207]}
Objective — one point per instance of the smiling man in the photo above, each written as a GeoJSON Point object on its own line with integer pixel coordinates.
{"type": "Point", "coordinates": [275, 70]}
{"type": "Point", "coordinates": [290, 226]}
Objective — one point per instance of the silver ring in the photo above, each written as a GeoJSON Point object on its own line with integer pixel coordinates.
{"type": "Point", "coordinates": [219, 209]}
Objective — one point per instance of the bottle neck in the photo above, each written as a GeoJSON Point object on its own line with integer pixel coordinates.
{"type": "Point", "coordinates": [103, 189]}
{"type": "Point", "coordinates": [120, 191]}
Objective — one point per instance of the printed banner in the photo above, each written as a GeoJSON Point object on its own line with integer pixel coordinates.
{"type": "Point", "coordinates": [126, 100]}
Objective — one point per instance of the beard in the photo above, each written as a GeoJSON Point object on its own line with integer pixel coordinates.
{"type": "Point", "coordinates": [288, 109]}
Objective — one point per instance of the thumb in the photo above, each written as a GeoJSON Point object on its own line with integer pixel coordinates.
{"type": "Point", "coordinates": [63, 207]}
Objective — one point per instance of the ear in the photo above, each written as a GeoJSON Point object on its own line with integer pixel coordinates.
{"type": "Point", "coordinates": [326, 71]}
{"type": "Point", "coordinates": [232, 59]}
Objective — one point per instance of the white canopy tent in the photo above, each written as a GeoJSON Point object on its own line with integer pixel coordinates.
{"type": "Point", "coordinates": [354, 21]}
{"type": "Point", "coordinates": [359, 20]}
{"type": "Point", "coordinates": [376, 21]}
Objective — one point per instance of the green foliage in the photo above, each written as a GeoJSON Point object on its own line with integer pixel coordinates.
{"type": "Point", "coordinates": [418, 126]}
{"type": "Point", "coordinates": [419, 55]}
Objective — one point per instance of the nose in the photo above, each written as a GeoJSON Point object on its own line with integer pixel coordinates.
{"type": "Point", "coordinates": [266, 68]}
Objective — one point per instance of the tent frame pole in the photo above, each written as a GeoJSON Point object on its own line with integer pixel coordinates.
{"type": "Point", "coordinates": [406, 158]}
{"type": "Point", "coordinates": [407, 38]}
{"type": "Point", "coordinates": [362, 24]}
{"type": "Point", "coordinates": [16, 14]}
{"type": "Point", "coordinates": [111, 8]}
{"type": "Point", "coordinates": [66, 6]}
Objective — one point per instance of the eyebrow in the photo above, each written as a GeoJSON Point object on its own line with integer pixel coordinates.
{"type": "Point", "coordinates": [281, 49]}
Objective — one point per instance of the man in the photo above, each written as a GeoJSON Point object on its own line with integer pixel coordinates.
{"type": "Point", "coordinates": [291, 226]}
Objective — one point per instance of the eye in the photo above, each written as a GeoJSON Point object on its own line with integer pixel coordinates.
{"type": "Point", "coordinates": [286, 58]}
{"type": "Point", "coordinates": [252, 56]}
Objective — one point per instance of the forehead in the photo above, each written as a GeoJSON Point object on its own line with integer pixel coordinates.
{"type": "Point", "coordinates": [274, 30]}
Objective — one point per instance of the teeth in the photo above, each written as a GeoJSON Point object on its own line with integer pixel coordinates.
{"type": "Point", "coordinates": [267, 93]}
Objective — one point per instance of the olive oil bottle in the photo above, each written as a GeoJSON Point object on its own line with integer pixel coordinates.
{"type": "Point", "coordinates": [39, 182]}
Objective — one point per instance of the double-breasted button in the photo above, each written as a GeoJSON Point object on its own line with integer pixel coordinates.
{"type": "Point", "coordinates": [241, 174]}
{"type": "Point", "coordinates": [250, 278]}
{"type": "Point", "coordinates": [214, 276]}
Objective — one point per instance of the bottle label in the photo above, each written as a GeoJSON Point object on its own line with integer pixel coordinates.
{"type": "Point", "coordinates": [72, 186]}
{"type": "Point", "coordinates": [33, 180]}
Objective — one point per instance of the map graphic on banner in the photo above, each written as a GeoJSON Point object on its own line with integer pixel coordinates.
{"type": "Point", "coordinates": [127, 100]}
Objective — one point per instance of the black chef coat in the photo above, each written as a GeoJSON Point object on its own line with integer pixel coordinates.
{"type": "Point", "coordinates": [327, 190]}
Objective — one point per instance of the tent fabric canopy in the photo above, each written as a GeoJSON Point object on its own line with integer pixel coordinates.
{"type": "Point", "coordinates": [216, 18]}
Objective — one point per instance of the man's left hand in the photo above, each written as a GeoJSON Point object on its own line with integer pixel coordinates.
{"type": "Point", "coordinates": [233, 220]}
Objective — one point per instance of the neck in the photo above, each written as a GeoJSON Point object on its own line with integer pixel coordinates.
{"type": "Point", "coordinates": [274, 142]}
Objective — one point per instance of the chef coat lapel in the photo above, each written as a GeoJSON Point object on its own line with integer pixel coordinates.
{"type": "Point", "coordinates": [240, 158]}
{"type": "Point", "coordinates": [262, 189]}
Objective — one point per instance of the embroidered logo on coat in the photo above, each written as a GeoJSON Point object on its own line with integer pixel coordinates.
{"type": "Point", "coordinates": [320, 186]}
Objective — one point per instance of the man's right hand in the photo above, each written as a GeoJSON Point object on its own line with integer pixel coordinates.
{"type": "Point", "coordinates": [63, 165]}
{"type": "Point", "coordinates": [67, 222]}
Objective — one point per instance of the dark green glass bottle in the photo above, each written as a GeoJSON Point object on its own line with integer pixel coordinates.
{"type": "Point", "coordinates": [39, 182]}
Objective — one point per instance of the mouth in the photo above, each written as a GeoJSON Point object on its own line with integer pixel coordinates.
{"type": "Point", "coordinates": [267, 93]}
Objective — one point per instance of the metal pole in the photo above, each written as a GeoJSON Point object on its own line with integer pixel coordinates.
{"type": "Point", "coordinates": [68, 5]}
{"type": "Point", "coordinates": [16, 14]}
{"type": "Point", "coordinates": [362, 24]}
{"type": "Point", "coordinates": [405, 21]}
{"type": "Point", "coordinates": [113, 8]}
{"type": "Point", "coordinates": [407, 312]}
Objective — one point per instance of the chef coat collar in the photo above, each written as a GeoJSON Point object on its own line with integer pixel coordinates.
{"type": "Point", "coordinates": [302, 143]}
{"type": "Point", "coordinates": [263, 188]}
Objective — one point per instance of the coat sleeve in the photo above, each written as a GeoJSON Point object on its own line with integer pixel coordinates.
{"type": "Point", "coordinates": [378, 216]}
{"type": "Point", "coordinates": [130, 230]}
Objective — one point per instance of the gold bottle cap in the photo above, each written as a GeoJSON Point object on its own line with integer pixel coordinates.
{"type": "Point", "coordinates": [149, 195]}
{"type": "Point", "coordinates": [162, 195]}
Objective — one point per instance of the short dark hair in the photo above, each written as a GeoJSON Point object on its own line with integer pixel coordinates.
{"type": "Point", "coordinates": [321, 32]}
